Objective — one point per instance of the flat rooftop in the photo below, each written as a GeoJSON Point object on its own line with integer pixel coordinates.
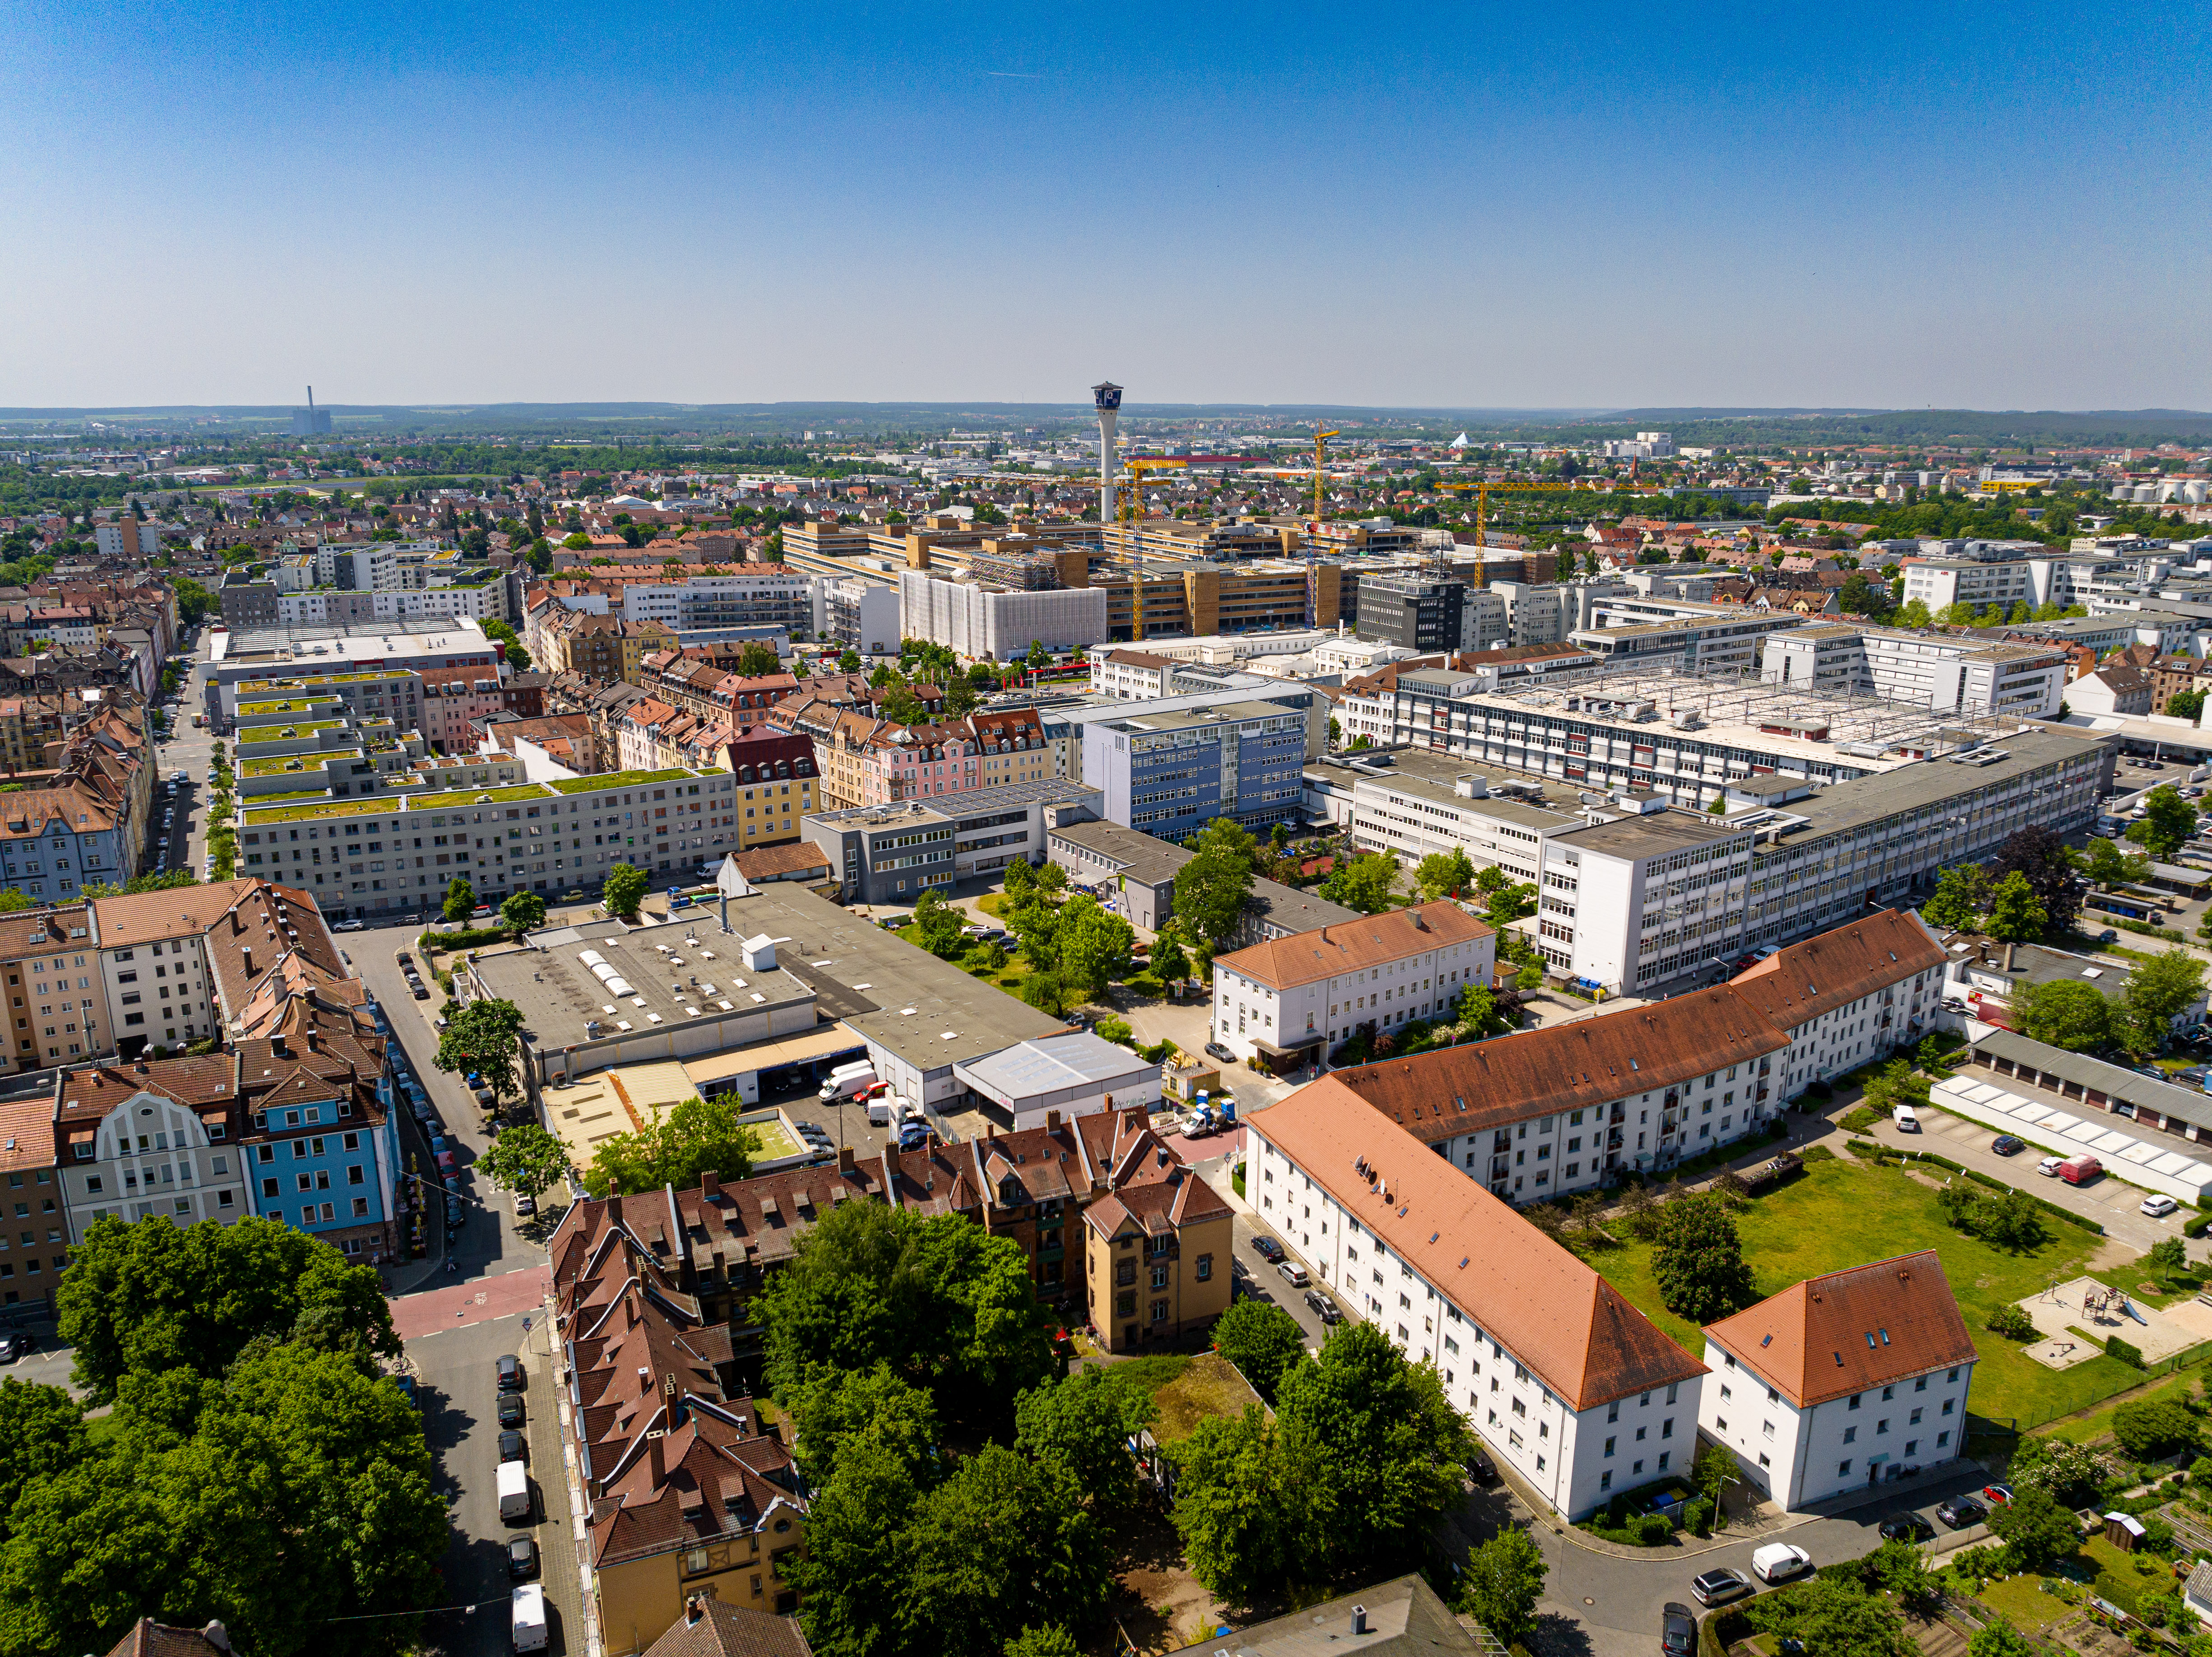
{"type": "Point", "coordinates": [1852, 805]}
{"type": "Point", "coordinates": [961, 806]}
{"type": "Point", "coordinates": [1142, 857]}
{"type": "Point", "coordinates": [1651, 834]}
{"type": "Point", "coordinates": [678, 974]}
{"type": "Point", "coordinates": [1189, 718]}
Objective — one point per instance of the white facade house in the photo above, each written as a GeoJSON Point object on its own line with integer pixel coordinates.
{"type": "Point", "coordinates": [1287, 1000]}
{"type": "Point", "coordinates": [1841, 1382]}
{"type": "Point", "coordinates": [1633, 903]}
{"type": "Point", "coordinates": [1562, 1378]}
{"type": "Point", "coordinates": [1849, 996]}
{"type": "Point", "coordinates": [148, 1156]}
{"type": "Point", "coordinates": [1940, 674]}
{"type": "Point", "coordinates": [1418, 816]}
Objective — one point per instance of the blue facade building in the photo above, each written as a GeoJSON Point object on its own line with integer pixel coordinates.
{"type": "Point", "coordinates": [1169, 774]}
{"type": "Point", "coordinates": [321, 1142]}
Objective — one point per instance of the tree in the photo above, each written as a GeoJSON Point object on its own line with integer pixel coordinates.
{"type": "Point", "coordinates": [2104, 863]}
{"type": "Point", "coordinates": [1043, 990]}
{"type": "Point", "coordinates": [2158, 990]}
{"type": "Point", "coordinates": [1094, 945]}
{"type": "Point", "coordinates": [757, 661]}
{"type": "Point", "coordinates": [2035, 1531]}
{"type": "Point", "coordinates": [153, 1296]}
{"type": "Point", "coordinates": [2170, 820]}
{"type": "Point", "coordinates": [1084, 1422]}
{"type": "Point", "coordinates": [2072, 1473]}
{"type": "Point", "coordinates": [2151, 1428]}
{"type": "Point", "coordinates": [1913, 613]}
{"type": "Point", "coordinates": [1387, 1451]}
{"type": "Point", "coordinates": [1504, 1579]}
{"type": "Point", "coordinates": [483, 1037]}
{"type": "Point", "coordinates": [523, 911]}
{"type": "Point", "coordinates": [840, 1407]}
{"type": "Point", "coordinates": [511, 647]}
{"type": "Point", "coordinates": [526, 1160]}
{"type": "Point", "coordinates": [1213, 888]}
{"type": "Point", "coordinates": [1698, 1260]}
{"type": "Point", "coordinates": [2186, 704]}
{"type": "Point", "coordinates": [1003, 1545]}
{"type": "Point", "coordinates": [2167, 1256]}
{"type": "Point", "coordinates": [1050, 1642]}
{"type": "Point", "coordinates": [1441, 873]}
{"type": "Point", "coordinates": [1998, 1638]}
{"type": "Point", "coordinates": [1839, 1616]}
{"type": "Point", "coordinates": [690, 1137]}
{"type": "Point", "coordinates": [2016, 914]}
{"type": "Point", "coordinates": [939, 923]}
{"type": "Point", "coordinates": [624, 890]}
{"type": "Point", "coordinates": [1262, 1340]}
{"type": "Point", "coordinates": [852, 1579]}
{"type": "Point", "coordinates": [1244, 1509]}
{"type": "Point", "coordinates": [460, 901]}
{"type": "Point", "coordinates": [1368, 883]}
{"type": "Point", "coordinates": [41, 1434]}
{"type": "Point", "coordinates": [2043, 860]}
{"type": "Point", "coordinates": [1960, 894]}
{"type": "Point", "coordinates": [2065, 1013]}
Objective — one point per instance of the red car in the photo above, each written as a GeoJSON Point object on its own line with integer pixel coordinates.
{"type": "Point", "coordinates": [445, 1163]}
{"type": "Point", "coordinates": [1997, 1495]}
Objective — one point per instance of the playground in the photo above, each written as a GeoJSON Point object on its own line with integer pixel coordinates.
{"type": "Point", "coordinates": [2075, 1319]}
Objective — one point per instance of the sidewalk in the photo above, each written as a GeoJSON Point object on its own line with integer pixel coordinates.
{"type": "Point", "coordinates": [563, 1545]}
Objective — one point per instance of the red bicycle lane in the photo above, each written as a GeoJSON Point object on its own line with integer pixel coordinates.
{"type": "Point", "coordinates": [473, 1301]}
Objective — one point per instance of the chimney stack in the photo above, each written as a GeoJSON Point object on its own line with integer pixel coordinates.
{"type": "Point", "coordinates": [1359, 1619]}
{"type": "Point", "coordinates": [1052, 1121]}
{"type": "Point", "coordinates": [693, 1609]}
{"type": "Point", "coordinates": [844, 1159]}
{"type": "Point", "coordinates": [710, 1185]}
{"type": "Point", "coordinates": [216, 1636]}
{"type": "Point", "coordinates": [248, 954]}
{"type": "Point", "coordinates": [660, 1467]}
{"type": "Point", "coordinates": [890, 1163]}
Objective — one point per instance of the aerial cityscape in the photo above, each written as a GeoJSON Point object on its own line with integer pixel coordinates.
{"type": "Point", "coordinates": [754, 905]}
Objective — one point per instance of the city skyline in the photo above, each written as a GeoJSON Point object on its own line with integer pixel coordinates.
{"type": "Point", "coordinates": [1609, 208]}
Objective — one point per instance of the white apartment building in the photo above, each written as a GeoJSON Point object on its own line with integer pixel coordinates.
{"type": "Point", "coordinates": [1729, 639]}
{"type": "Point", "coordinates": [145, 1154]}
{"type": "Point", "coordinates": [992, 624]}
{"type": "Point", "coordinates": [864, 614]}
{"type": "Point", "coordinates": [1942, 673]}
{"type": "Point", "coordinates": [1842, 1382]}
{"type": "Point", "coordinates": [1665, 893]}
{"type": "Point", "coordinates": [485, 602]}
{"type": "Point", "coordinates": [1288, 1001]}
{"type": "Point", "coordinates": [363, 566]}
{"type": "Point", "coordinates": [700, 602]}
{"type": "Point", "coordinates": [1562, 1378]}
{"type": "Point", "coordinates": [127, 539]}
{"type": "Point", "coordinates": [2061, 580]}
{"type": "Point", "coordinates": [1848, 996]}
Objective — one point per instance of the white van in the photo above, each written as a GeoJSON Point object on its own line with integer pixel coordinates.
{"type": "Point", "coordinates": [513, 1492]}
{"type": "Point", "coordinates": [852, 1082]}
{"type": "Point", "coordinates": [1905, 1120]}
{"type": "Point", "coordinates": [884, 1110]}
{"type": "Point", "coordinates": [529, 1617]}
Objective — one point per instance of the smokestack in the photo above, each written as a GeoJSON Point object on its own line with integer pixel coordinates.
{"type": "Point", "coordinates": [1106, 396]}
{"type": "Point", "coordinates": [311, 397]}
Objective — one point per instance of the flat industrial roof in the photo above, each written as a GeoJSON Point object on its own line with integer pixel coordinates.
{"type": "Point", "coordinates": [1844, 805]}
{"type": "Point", "coordinates": [1658, 831]}
{"type": "Point", "coordinates": [818, 1043]}
{"type": "Point", "coordinates": [1142, 857]}
{"type": "Point", "coordinates": [1185, 719]}
{"type": "Point", "coordinates": [1053, 1070]}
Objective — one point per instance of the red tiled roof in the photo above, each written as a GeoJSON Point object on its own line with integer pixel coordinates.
{"type": "Point", "coordinates": [1851, 1330]}
{"type": "Point", "coordinates": [1804, 980]}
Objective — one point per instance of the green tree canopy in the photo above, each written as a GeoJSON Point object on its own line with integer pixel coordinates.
{"type": "Point", "coordinates": [460, 901]}
{"type": "Point", "coordinates": [41, 1434]}
{"type": "Point", "coordinates": [2065, 1013]}
{"type": "Point", "coordinates": [1214, 887]}
{"type": "Point", "coordinates": [1262, 1340]}
{"type": "Point", "coordinates": [624, 890]}
{"type": "Point", "coordinates": [2043, 860]}
{"type": "Point", "coordinates": [525, 1159]}
{"type": "Point", "coordinates": [1961, 891]}
{"type": "Point", "coordinates": [1367, 883]}
{"type": "Point", "coordinates": [2016, 914]}
{"type": "Point", "coordinates": [1094, 945]}
{"type": "Point", "coordinates": [687, 1139]}
{"type": "Point", "coordinates": [1003, 1545]}
{"type": "Point", "coordinates": [1697, 1259]}
{"type": "Point", "coordinates": [1245, 1508]}
{"type": "Point", "coordinates": [1083, 1421]}
{"type": "Point", "coordinates": [1441, 873]}
{"type": "Point", "coordinates": [838, 1407]}
{"type": "Point", "coordinates": [2035, 1531]}
{"type": "Point", "coordinates": [152, 1296]}
{"type": "Point", "coordinates": [1504, 1579]}
{"type": "Point", "coordinates": [2158, 990]}
{"type": "Point", "coordinates": [523, 911]}
{"type": "Point", "coordinates": [484, 1037]}
{"type": "Point", "coordinates": [2169, 821]}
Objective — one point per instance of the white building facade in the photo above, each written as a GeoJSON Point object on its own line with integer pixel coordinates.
{"type": "Point", "coordinates": [151, 1156]}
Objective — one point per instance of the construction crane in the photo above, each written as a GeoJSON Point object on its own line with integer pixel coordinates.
{"type": "Point", "coordinates": [1321, 462]}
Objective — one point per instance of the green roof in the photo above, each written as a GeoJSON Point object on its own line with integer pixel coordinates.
{"type": "Point", "coordinates": [301, 704]}
{"type": "Point", "coordinates": [305, 794]}
{"type": "Point", "coordinates": [288, 732]}
{"type": "Point", "coordinates": [277, 765]}
{"type": "Point", "coordinates": [259, 818]}
{"type": "Point", "coordinates": [621, 780]}
{"type": "Point", "coordinates": [475, 796]}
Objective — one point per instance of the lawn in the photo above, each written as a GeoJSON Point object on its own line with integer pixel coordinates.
{"type": "Point", "coordinates": [2023, 1603]}
{"type": "Point", "coordinates": [1839, 1214]}
{"type": "Point", "coordinates": [2088, 1429]}
{"type": "Point", "coordinates": [1187, 1390]}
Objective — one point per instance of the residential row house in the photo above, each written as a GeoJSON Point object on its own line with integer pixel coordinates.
{"type": "Point", "coordinates": [867, 761]}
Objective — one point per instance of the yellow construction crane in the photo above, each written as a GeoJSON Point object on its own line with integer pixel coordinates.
{"type": "Point", "coordinates": [1321, 463]}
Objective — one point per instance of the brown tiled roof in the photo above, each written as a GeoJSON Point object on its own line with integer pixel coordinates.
{"type": "Point", "coordinates": [1352, 946]}
{"type": "Point", "coordinates": [1563, 1067]}
{"type": "Point", "coordinates": [772, 863]}
{"type": "Point", "coordinates": [723, 1630]}
{"type": "Point", "coordinates": [182, 912]}
{"type": "Point", "coordinates": [26, 1134]}
{"type": "Point", "coordinates": [1822, 973]}
{"type": "Point", "coordinates": [1578, 1332]}
{"type": "Point", "coordinates": [1850, 1330]}
{"type": "Point", "coordinates": [149, 1638]}
{"type": "Point", "coordinates": [34, 931]}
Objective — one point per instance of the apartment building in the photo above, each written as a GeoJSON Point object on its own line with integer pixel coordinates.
{"type": "Point", "coordinates": [1287, 1001]}
{"type": "Point", "coordinates": [862, 614]}
{"type": "Point", "coordinates": [2117, 689]}
{"type": "Point", "coordinates": [483, 600]}
{"type": "Point", "coordinates": [776, 786]}
{"type": "Point", "coordinates": [1157, 1251]}
{"type": "Point", "coordinates": [1940, 582]}
{"type": "Point", "coordinates": [58, 1004]}
{"type": "Point", "coordinates": [1168, 773]}
{"type": "Point", "coordinates": [1849, 996]}
{"type": "Point", "coordinates": [34, 1245]}
{"type": "Point", "coordinates": [1562, 1378]}
{"type": "Point", "coordinates": [148, 1138]}
{"type": "Point", "coordinates": [1841, 1381]}
{"type": "Point", "coordinates": [992, 624]}
{"type": "Point", "coordinates": [1939, 673]}
{"type": "Point", "coordinates": [759, 596]}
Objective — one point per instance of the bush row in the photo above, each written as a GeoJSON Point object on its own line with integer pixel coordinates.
{"type": "Point", "coordinates": [1873, 1153]}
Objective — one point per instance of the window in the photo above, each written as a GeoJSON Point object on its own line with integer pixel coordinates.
{"type": "Point", "coordinates": [1206, 1272]}
{"type": "Point", "coordinates": [1850, 1435]}
{"type": "Point", "coordinates": [1843, 1470]}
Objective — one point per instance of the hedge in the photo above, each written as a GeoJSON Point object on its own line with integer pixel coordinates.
{"type": "Point", "coordinates": [2198, 1227]}
{"type": "Point", "coordinates": [472, 938]}
{"type": "Point", "coordinates": [2127, 1354]}
{"type": "Point", "coordinates": [1866, 1148]}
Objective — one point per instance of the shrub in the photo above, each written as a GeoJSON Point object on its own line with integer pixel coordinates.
{"type": "Point", "coordinates": [1698, 1517]}
{"type": "Point", "coordinates": [1819, 1090]}
{"type": "Point", "coordinates": [1859, 1120]}
{"type": "Point", "coordinates": [2151, 1428]}
{"type": "Point", "coordinates": [2009, 1321]}
{"type": "Point", "coordinates": [1651, 1529]}
{"type": "Point", "coordinates": [2124, 1351]}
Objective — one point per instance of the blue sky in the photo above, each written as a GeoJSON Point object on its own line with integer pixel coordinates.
{"type": "Point", "coordinates": [1474, 206]}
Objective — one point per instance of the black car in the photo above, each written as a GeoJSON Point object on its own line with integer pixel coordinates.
{"type": "Point", "coordinates": [486, 1098]}
{"type": "Point", "coordinates": [1905, 1527]}
{"type": "Point", "coordinates": [2005, 1145]}
{"type": "Point", "coordinates": [1267, 1249]}
{"type": "Point", "coordinates": [1323, 1307]}
{"type": "Point", "coordinates": [510, 1409]}
{"type": "Point", "coordinates": [512, 1448]}
{"type": "Point", "coordinates": [510, 1373]}
{"type": "Point", "coordinates": [1961, 1511]}
{"type": "Point", "coordinates": [1215, 1050]}
{"type": "Point", "coordinates": [1481, 1469]}
{"type": "Point", "coordinates": [1678, 1630]}
{"type": "Point", "coordinates": [1715, 1587]}
{"type": "Point", "coordinates": [421, 994]}
{"type": "Point", "coordinates": [522, 1558]}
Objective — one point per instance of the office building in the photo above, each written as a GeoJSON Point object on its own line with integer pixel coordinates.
{"type": "Point", "coordinates": [891, 854]}
{"type": "Point", "coordinates": [1666, 892]}
{"type": "Point", "coordinates": [991, 623]}
{"type": "Point", "coordinates": [1170, 773]}
{"type": "Point", "coordinates": [1937, 672]}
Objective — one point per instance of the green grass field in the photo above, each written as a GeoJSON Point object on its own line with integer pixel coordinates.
{"type": "Point", "coordinates": [1840, 1213]}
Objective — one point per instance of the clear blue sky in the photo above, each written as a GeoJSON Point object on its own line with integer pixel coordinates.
{"type": "Point", "coordinates": [1975, 205]}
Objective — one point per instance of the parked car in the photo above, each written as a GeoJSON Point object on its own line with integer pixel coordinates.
{"type": "Point", "coordinates": [485, 1097]}
{"type": "Point", "coordinates": [1777, 1562]}
{"type": "Point", "coordinates": [1267, 1249]}
{"type": "Point", "coordinates": [1997, 1495]}
{"type": "Point", "coordinates": [419, 992]}
{"type": "Point", "coordinates": [512, 1447]}
{"type": "Point", "coordinates": [16, 1345]}
{"type": "Point", "coordinates": [511, 1378]}
{"type": "Point", "coordinates": [1718, 1586]}
{"type": "Point", "coordinates": [522, 1558]}
{"type": "Point", "coordinates": [1905, 1527]}
{"type": "Point", "coordinates": [524, 1204]}
{"type": "Point", "coordinates": [1481, 1469]}
{"type": "Point", "coordinates": [1292, 1273]}
{"type": "Point", "coordinates": [1323, 1307]}
{"type": "Point", "coordinates": [1961, 1511]}
{"type": "Point", "coordinates": [408, 1389]}
{"type": "Point", "coordinates": [1678, 1630]}
{"type": "Point", "coordinates": [2050, 1166]}
{"type": "Point", "coordinates": [1215, 1050]}
{"type": "Point", "coordinates": [402, 959]}
{"type": "Point", "coordinates": [2005, 1145]}
{"type": "Point", "coordinates": [2158, 1205]}
{"type": "Point", "coordinates": [510, 1410]}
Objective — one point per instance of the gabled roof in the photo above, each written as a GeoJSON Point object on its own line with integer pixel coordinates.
{"type": "Point", "coordinates": [1584, 1062]}
{"type": "Point", "coordinates": [1555, 1314]}
{"type": "Point", "coordinates": [1351, 946]}
{"type": "Point", "coordinates": [1850, 1330]}
{"type": "Point", "coordinates": [149, 1638]}
{"type": "Point", "coordinates": [1860, 958]}
{"type": "Point", "coordinates": [709, 1627]}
